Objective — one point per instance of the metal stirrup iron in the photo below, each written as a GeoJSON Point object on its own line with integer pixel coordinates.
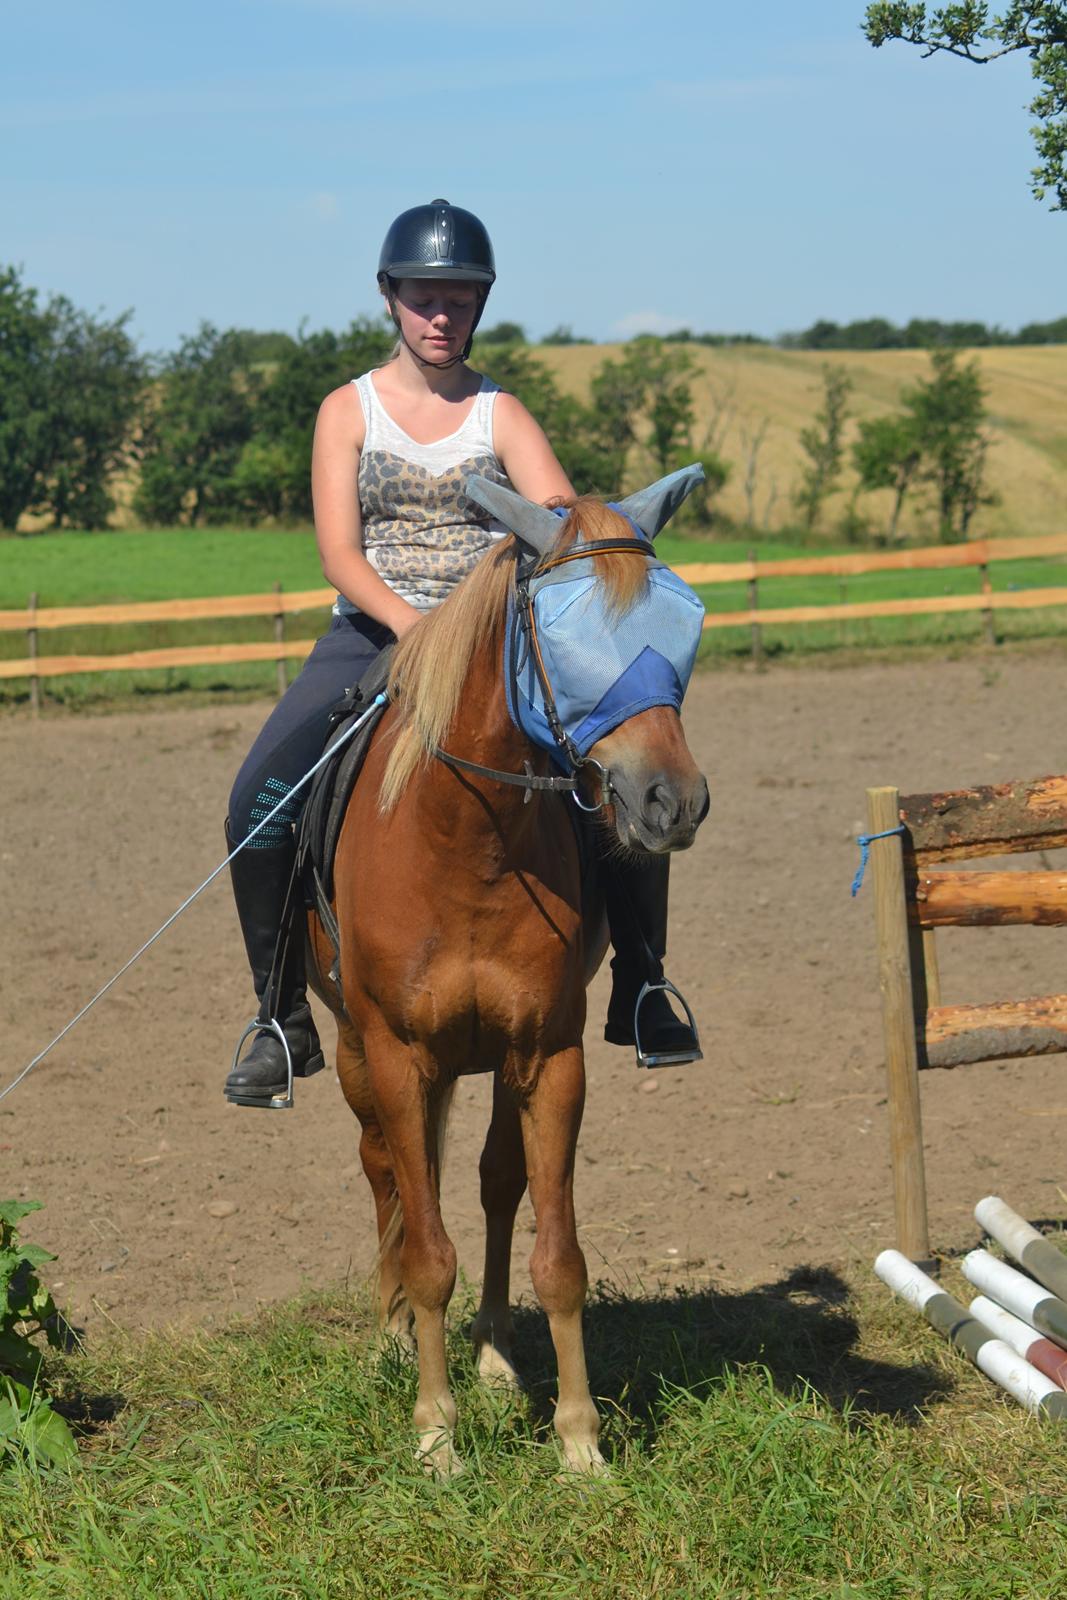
{"type": "Point", "coordinates": [278, 1102]}
{"type": "Point", "coordinates": [664, 1058]}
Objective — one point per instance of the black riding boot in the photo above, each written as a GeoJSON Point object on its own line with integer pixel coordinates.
{"type": "Point", "coordinates": [260, 887]}
{"type": "Point", "coordinates": [636, 894]}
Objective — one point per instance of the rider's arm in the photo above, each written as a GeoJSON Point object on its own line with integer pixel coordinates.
{"type": "Point", "coordinates": [525, 453]}
{"type": "Point", "coordinates": [339, 434]}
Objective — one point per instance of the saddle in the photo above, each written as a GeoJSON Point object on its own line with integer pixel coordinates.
{"type": "Point", "coordinates": [320, 822]}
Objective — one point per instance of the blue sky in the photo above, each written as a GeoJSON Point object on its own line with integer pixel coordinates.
{"type": "Point", "coordinates": [639, 165]}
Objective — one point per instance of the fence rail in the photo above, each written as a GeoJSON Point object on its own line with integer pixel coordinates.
{"type": "Point", "coordinates": [977, 553]}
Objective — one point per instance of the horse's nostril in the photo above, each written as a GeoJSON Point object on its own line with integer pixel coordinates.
{"type": "Point", "coordinates": [705, 803]}
{"type": "Point", "coordinates": [662, 806]}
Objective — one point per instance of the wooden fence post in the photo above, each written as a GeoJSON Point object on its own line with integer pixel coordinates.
{"type": "Point", "coordinates": [988, 620]}
{"type": "Point", "coordinates": [279, 638]}
{"type": "Point", "coordinates": [31, 651]}
{"type": "Point", "coordinates": [894, 976]}
{"type": "Point", "coordinates": [753, 605]}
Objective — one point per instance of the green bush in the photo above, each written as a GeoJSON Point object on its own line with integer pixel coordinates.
{"type": "Point", "coordinates": [28, 1425]}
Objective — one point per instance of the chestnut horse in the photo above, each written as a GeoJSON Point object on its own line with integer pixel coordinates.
{"type": "Point", "coordinates": [464, 948]}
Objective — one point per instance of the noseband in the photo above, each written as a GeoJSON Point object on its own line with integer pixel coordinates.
{"type": "Point", "coordinates": [581, 766]}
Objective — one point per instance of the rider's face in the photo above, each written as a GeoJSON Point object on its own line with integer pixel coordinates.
{"type": "Point", "coordinates": [436, 315]}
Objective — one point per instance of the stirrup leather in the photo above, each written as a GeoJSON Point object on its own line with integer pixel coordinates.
{"type": "Point", "coordinates": [278, 1102]}
{"type": "Point", "coordinates": [664, 1058]}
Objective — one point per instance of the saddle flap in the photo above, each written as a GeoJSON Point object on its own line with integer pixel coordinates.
{"type": "Point", "coordinates": [332, 786]}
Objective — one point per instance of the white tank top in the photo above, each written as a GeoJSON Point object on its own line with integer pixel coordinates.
{"type": "Point", "coordinates": [420, 532]}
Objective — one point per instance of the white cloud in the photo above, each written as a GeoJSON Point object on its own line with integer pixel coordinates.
{"type": "Point", "coordinates": [324, 206]}
{"type": "Point", "coordinates": [635, 322]}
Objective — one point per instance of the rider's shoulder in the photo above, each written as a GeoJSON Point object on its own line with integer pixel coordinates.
{"type": "Point", "coordinates": [511, 416]}
{"type": "Point", "coordinates": [341, 412]}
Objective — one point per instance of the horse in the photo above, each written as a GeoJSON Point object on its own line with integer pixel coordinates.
{"type": "Point", "coordinates": [465, 945]}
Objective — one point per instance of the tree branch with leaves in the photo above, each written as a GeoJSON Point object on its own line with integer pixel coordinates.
{"type": "Point", "coordinates": [968, 30]}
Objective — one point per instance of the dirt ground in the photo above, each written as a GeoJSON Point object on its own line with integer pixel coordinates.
{"type": "Point", "coordinates": [166, 1205]}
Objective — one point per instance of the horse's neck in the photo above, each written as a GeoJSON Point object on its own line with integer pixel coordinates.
{"type": "Point", "coordinates": [483, 732]}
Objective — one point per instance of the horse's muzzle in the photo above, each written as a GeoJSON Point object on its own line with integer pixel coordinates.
{"type": "Point", "coordinates": [659, 815]}
{"type": "Point", "coordinates": [659, 795]}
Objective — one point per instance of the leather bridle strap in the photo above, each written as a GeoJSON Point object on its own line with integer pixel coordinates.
{"type": "Point", "coordinates": [522, 780]}
{"type": "Point", "coordinates": [530, 781]}
{"type": "Point", "coordinates": [596, 547]}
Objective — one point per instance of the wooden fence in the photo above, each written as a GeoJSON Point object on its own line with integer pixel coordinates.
{"type": "Point", "coordinates": [915, 833]}
{"type": "Point", "coordinates": [978, 553]}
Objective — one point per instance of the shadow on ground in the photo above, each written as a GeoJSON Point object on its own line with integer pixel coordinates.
{"type": "Point", "coordinates": [800, 1329]}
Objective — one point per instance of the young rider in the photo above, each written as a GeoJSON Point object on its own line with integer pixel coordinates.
{"type": "Point", "coordinates": [396, 533]}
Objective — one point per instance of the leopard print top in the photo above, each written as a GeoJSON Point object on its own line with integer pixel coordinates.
{"type": "Point", "coordinates": [420, 532]}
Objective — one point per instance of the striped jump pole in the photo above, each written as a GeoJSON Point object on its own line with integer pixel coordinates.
{"type": "Point", "coordinates": [1040, 1258]}
{"type": "Point", "coordinates": [1019, 1294]}
{"type": "Point", "coordinates": [1040, 1352]}
{"type": "Point", "coordinates": [990, 1354]}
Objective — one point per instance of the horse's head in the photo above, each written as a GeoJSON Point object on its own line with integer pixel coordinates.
{"type": "Point", "coordinates": [600, 646]}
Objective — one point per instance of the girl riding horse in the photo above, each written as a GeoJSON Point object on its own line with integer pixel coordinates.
{"type": "Point", "coordinates": [397, 533]}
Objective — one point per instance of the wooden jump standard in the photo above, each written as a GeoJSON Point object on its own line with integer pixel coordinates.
{"type": "Point", "coordinates": [910, 903]}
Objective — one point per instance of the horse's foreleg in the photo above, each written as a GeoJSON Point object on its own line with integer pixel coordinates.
{"type": "Point", "coordinates": [551, 1117]}
{"type": "Point", "coordinates": [394, 1312]}
{"type": "Point", "coordinates": [503, 1181]}
{"type": "Point", "coordinates": [411, 1114]}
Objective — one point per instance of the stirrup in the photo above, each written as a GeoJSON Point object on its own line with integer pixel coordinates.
{"type": "Point", "coordinates": [665, 1058]}
{"type": "Point", "coordinates": [277, 1102]}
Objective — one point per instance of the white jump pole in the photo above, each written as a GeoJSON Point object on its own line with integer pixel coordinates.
{"type": "Point", "coordinates": [990, 1354]}
{"type": "Point", "coordinates": [1040, 1257]}
{"type": "Point", "coordinates": [1040, 1352]}
{"type": "Point", "coordinates": [1018, 1294]}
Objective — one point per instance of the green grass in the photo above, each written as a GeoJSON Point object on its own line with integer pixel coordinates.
{"type": "Point", "coordinates": [93, 568]}
{"type": "Point", "coordinates": [796, 1440]}
{"type": "Point", "coordinates": [68, 569]}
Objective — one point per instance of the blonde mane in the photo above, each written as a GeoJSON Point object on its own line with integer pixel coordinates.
{"type": "Point", "coordinates": [433, 660]}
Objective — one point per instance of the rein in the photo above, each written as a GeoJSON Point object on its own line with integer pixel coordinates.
{"type": "Point", "coordinates": [578, 763]}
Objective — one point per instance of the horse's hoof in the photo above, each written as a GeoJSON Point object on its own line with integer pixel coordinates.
{"type": "Point", "coordinates": [584, 1464]}
{"type": "Point", "coordinates": [496, 1371]}
{"type": "Point", "coordinates": [397, 1344]}
{"type": "Point", "coordinates": [436, 1455]}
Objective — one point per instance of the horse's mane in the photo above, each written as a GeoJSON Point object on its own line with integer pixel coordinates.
{"type": "Point", "coordinates": [433, 659]}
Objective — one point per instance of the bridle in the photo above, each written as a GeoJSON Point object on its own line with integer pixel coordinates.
{"type": "Point", "coordinates": [581, 766]}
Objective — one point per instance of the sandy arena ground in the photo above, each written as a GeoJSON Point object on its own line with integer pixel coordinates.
{"type": "Point", "coordinates": [166, 1205]}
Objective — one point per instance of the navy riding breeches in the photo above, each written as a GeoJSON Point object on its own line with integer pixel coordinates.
{"type": "Point", "coordinates": [294, 735]}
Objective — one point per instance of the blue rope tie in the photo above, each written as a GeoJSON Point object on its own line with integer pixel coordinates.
{"type": "Point", "coordinates": [865, 840]}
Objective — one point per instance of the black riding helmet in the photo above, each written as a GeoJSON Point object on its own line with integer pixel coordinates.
{"type": "Point", "coordinates": [437, 240]}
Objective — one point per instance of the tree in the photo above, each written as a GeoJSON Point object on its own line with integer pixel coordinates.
{"type": "Point", "coordinates": [504, 333]}
{"type": "Point", "coordinates": [644, 400]}
{"type": "Point", "coordinates": [202, 419]}
{"type": "Point", "coordinates": [564, 334]}
{"type": "Point", "coordinates": [964, 29]}
{"type": "Point", "coordinates": [573, 428]}
{"type": "Point", "coordinates": [887, 455]}
{"type": "Point", "coordinates": [947, 414]}
{"type": "Point", "coordinates": [69, 390]}
{"type": "Point", "coordinates": [824, 447]}
{"type": "Point", "coordinates": [272, 475]}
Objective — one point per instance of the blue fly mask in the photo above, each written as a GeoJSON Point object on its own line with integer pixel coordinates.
{"type": "Point", "coordinates": [575, 669]}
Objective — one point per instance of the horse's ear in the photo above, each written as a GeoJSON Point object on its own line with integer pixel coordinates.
{"type": "Point", "coordinates": [653, 508]}
{"type": "Point", "coordinates": [534, 525]}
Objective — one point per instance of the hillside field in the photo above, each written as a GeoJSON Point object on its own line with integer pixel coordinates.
{"type": "Point", "coordinates": [740, 385]}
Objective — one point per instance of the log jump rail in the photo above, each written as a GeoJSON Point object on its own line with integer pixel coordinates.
{"type": "Point", "coordinates": [977, 553]}
{"type": "Point", "coordinates": [910, 903]}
